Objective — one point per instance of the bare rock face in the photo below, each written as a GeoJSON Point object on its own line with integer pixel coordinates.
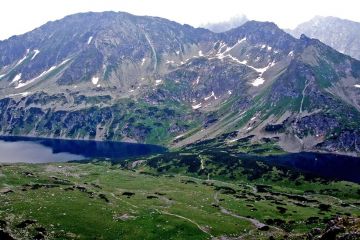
{"type": "Point", "coordinates": [339, 228]}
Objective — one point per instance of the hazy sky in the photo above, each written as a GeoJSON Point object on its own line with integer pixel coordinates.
{"type": "Point", "coordinates": [19, 16]}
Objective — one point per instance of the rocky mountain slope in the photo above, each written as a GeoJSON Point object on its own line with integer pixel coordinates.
{"type": "Point", "coordinates": [343, 35]}
{"type": "Point", "coordinates": [146, 79]}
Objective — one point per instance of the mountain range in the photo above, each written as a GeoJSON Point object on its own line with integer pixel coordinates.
{"type": "Point", "coordinates": [117, 76]}
{"type": "Point", "coordinates": [342, 35]}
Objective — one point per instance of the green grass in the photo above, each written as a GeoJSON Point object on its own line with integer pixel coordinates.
{"type": "Point", "coordinates": [76, 213]}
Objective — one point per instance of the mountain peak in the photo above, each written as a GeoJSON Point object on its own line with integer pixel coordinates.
{"type": "Point", "coordinates": [257, 32]}
{"type": "Point", "coordinates": [340, 34]}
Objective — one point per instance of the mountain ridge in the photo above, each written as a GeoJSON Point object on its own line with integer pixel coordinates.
{"type": "Point", "coordinates": [341, 34]}
{"type": "Point", "coordinates": [148, 79]}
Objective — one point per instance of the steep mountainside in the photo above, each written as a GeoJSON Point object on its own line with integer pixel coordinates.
{"type": "Point", "coordinates": [343, 35]}
{"type": "Point", "coordinates": [146, 79]}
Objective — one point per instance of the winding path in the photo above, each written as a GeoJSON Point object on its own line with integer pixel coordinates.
{"type": "Point", "coordinates": [204, 230]}
{"type": "Point", "coordinates": [114, 196]}
{"type": "Point", "coordinates": [255, 222]}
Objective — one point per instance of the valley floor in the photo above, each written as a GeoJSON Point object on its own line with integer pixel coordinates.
{"type": "Point", "coordinates": [104, 201]}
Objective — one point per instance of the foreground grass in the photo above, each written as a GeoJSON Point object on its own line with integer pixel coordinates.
{"type": "Point", "coordinates": [104, 201]}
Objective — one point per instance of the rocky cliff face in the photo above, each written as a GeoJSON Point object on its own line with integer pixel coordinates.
{"type": "Point", "coordinates": [342, 35]}
{"type": "Point", "coordinates": [123, 77]}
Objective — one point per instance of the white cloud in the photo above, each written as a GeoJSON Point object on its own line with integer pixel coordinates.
{"type": "Point", "coordinates": [19, 16]}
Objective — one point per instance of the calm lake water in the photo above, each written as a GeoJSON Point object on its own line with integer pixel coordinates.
{"type": "Point", "coordinates": [321, 164]}
{"type": "Point", "coordinates": [40, 150]}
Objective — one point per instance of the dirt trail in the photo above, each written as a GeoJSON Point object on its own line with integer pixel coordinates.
{"type": "Point", "coordinates": [340, 201]}
{"type": "Point", "coordinates": [255, 222]}
{"type": "Point", "coordinates": [114, 196]}
{"type": "Point", "coordinates": [203, 229]}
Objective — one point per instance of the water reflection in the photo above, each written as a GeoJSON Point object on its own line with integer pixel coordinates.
{"type": "Point", "coordinates": [39, 150]}
{"type": "Point", "coordinates": [31, 152]}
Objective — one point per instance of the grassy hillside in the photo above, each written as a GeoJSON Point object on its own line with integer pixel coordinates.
{"type": "Point", "coordinates": [103, 201]}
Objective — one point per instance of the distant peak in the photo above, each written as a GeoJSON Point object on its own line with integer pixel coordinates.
{"type": "Point", "coordinates": [260, 24]}
{"type": "Point", "coordinates": [304, 37]}
{"type": "Point", "coordinates": [223, 26]}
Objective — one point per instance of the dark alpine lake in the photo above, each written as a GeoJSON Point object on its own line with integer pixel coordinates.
{"type": "Point", "coordinates": [332, 166]}
{"type": "Point", "coordinates": [41, 150]}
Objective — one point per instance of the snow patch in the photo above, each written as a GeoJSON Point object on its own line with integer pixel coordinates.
{"type": "Point", "coordinates": [264, 69]}
{"type": "Point", "coordinates": [179, 136]}
{"type": "Point", "coordinates": [222, 45]}
{"type": "Point", "coordinates": [95, 80]}
{"type": "Point", "coordinates": [196, 106]}
{"type": "Point", "coordinates": [63, 62]}
{"type": "Point", "coordinates": [16, 78]}
{"type": "Point", "coordinates": [158, 82]}
{"type": "Point", "coordinates": [99, 85]}
{"type": "Point", "coordinates": [36, 52]}
{"type": "Point", "coordinates": [200, 53]}
{"type": "Point", "coordinates": [89, 40]}
{"type": "Point", "coordinates": [259, 70]}
{"type": "Point", "coordinates": [257, 82]}
{"type": "Point", "coordinates": [168, 62]}
{"type": "Point", "coordinates": [23, 84]}
{"type": "Point", "coordinates": [253, 118]}
{"type": "Point", "coordinates": [291, 54]}
{"type": "Point", "coordinates": [242, 40]}
{"type": "Point", "coordinates": [212, 95]}
{"type": "Point", "coordinates": [143, 61]}
{"type": "Point", "coordinates": [357, 85]}
{"type": "Point", "coordinates": [177, 52]}
{"type": "Point", "coordinates": [269, 48]}
{"type": "Point", "coordinates": [229, 92]}
{"type": "Point", "coordinates": [260, 80]}
{"type": "Point", "coordinates": [23, 94]}
{"type": "Point", "coordinates": [2, 75]}
{"type": "Point", "coordinates": [21, 60]}
{"type": "Point", "coordinates": [196, 82]}
{"type": "Point", "coordinates": [228, 49]}
{"type": "Point", "coordinates": [236, 60]}
{"type": "Point", "coordinates": [222, 54]}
